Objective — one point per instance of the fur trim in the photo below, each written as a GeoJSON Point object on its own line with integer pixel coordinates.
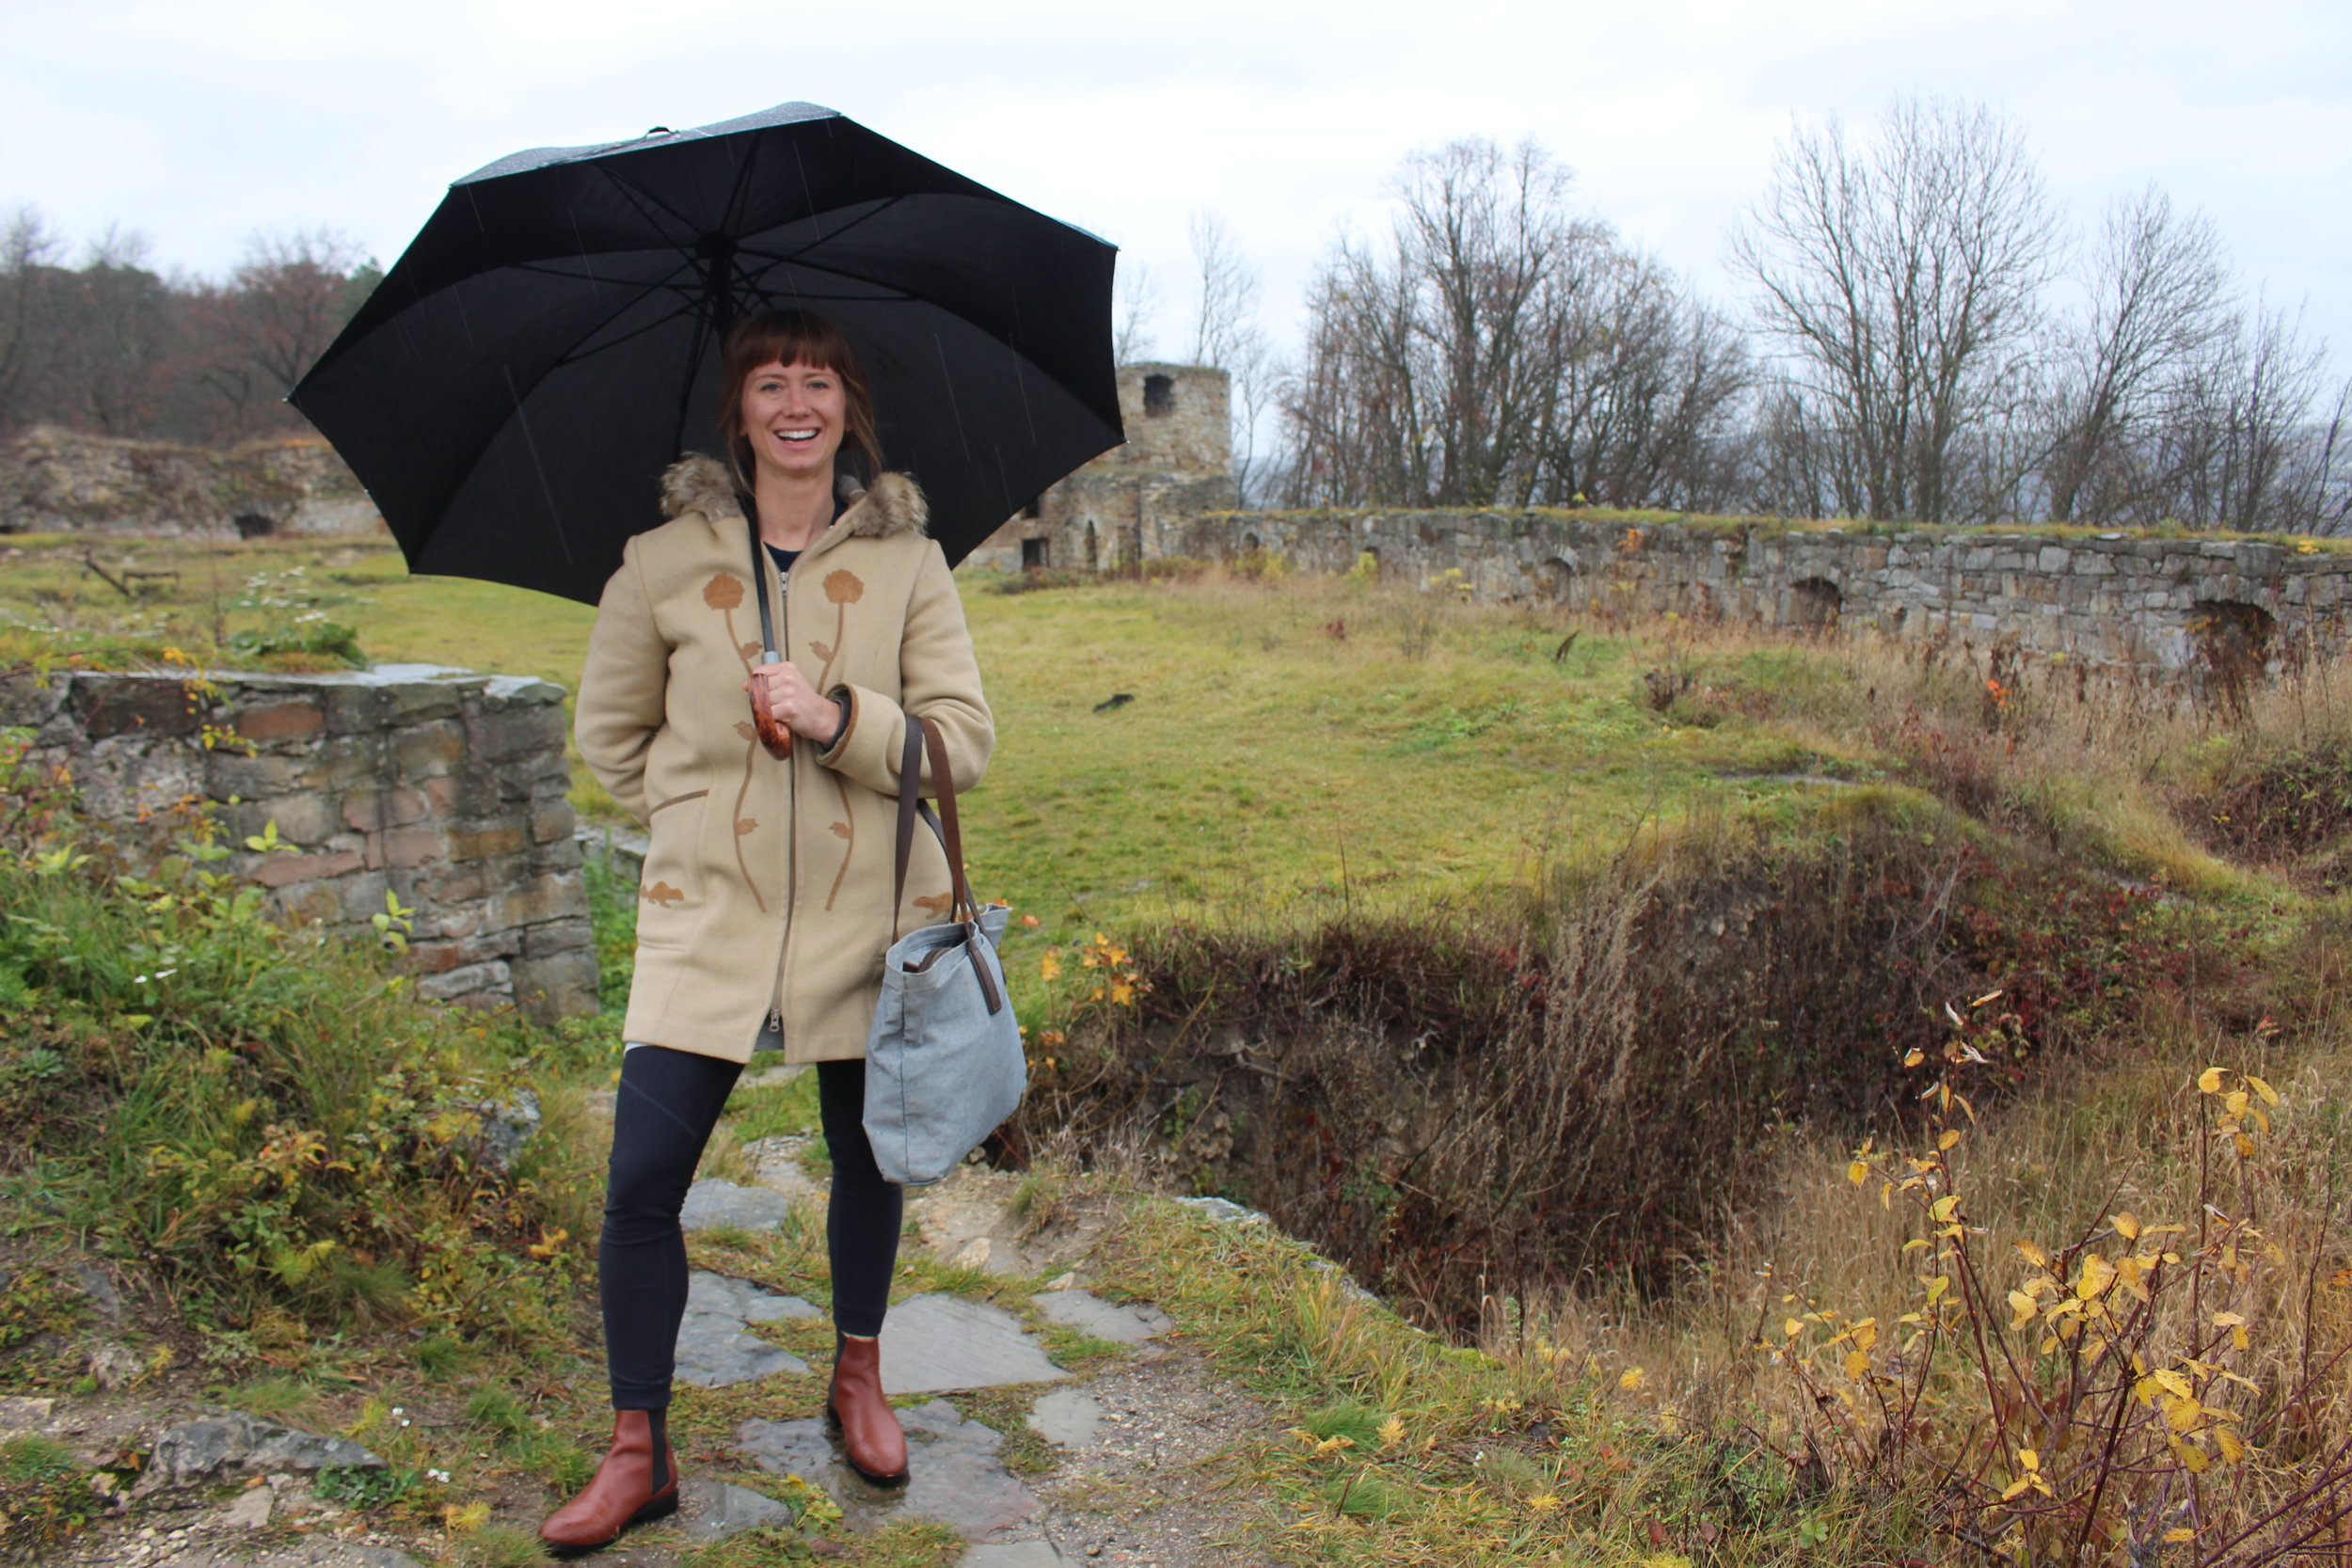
{"type": "Point", "coordinates": [894, 506]}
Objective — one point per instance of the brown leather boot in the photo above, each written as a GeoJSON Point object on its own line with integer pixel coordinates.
{"type": "Point", "coordinates": [876, 1445]}
{"type": "Point", "coordinates": [637, 1480]}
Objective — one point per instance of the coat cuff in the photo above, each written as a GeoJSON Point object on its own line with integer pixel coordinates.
{"type": "Point", "coordinates": [868, 748]}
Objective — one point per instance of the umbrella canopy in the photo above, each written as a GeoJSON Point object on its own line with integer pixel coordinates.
{"type": "Point", "coordinates": [511, 390]}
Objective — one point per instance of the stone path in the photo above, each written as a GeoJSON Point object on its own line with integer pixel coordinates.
{"type": "Point", "coordinates": [712, 1349]}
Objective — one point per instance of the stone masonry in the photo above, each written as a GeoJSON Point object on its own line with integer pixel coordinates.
{"type": "Point", "coordinates": [2161, 604]}
{"type": "Point", "coordinates": [1132, 503]}
{"type": "Point", "coordinates": [443, 788]}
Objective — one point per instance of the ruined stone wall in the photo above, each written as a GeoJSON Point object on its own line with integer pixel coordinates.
{"type": "Point", "coordinates": [1130, 503]}
{"type": "Point", "coordinates": [62, 481]}
{"type": "Point", "coordinates": [444, 788]}
{"type": "Point", "coordinates": [2109, 598]}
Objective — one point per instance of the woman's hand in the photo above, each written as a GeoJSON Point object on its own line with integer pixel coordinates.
{"type": "Point", "coordinates": [795, 704]}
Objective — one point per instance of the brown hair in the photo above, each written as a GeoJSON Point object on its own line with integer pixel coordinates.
{"type": "Point", "coordinates": [794, 338]}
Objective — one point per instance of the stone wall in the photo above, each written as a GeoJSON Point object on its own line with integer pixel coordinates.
{"type": "Point", "coordinates": [2167, 605]}
{"type": "Point", "coordinates": [1133, 502]}
{"type": "Point", "coordinates": [62, 481]}
{"type": "Point", "coordinates": [444, 788]}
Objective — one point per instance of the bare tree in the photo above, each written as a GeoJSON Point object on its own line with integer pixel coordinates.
{"type": "Point", "coordinates": [1901, 280]}
{"type": "Point", "coordinates": [282, 307]}
{"type": "Point", "coordinates": [29, 253]}
{"type": "Point", "coordinates": [1227, 334]}
{"type": "Point", "coordinates": [1136, 301]}
{"type": "Point", "coordinates": [2159, 296]}
{"type": "Point", "coordinates": [1433, 368]}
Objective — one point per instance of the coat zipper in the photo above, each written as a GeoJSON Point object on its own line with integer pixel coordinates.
{"type": "Point", "coordinates": [791, 815]}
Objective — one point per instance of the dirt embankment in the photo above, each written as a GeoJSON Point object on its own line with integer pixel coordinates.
{"type": "Point", "coordinates": [56, 480]}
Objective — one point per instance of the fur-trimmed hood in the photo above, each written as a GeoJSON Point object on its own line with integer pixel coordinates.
{"type": "Point", "coordinates": [894, 506]}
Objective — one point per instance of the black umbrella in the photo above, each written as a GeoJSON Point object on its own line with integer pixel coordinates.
{"type": "Point", "coordinates": [511, 390]}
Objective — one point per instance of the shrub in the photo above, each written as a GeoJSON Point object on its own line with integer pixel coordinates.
{"type": "Point", "coordinates": [270, 1122]}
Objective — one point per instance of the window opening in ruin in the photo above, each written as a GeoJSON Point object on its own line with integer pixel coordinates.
{"type": "Point", "coordinates": [1033, 554]}
{"type": "Point", "coordinates": [1159, 394]}
{"type": "Point", "coordinates": [1813, 603]}
{"type": "Point", "coordinates": [254, 525]}
{"type": "Point", "coordinates": [1250, 544]}
{"type": "Point", "coordinates": [2233, 642]}
{"type": "Point", "coordinates": [1036, 507]}
{"type": "Point", "coordinates": [1094, 549]}
{"type": "Point", "coordinates": [1553, 578]}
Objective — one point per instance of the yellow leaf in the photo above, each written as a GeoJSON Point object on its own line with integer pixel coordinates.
{"type": "Point", "coordinates": [1943, 1207]}
{"type": "Point", "coordinates": [2175, 1383]}
{"type": "Point", "coordinates": [2264, 1089]}
{"type": "Point", "coordinates": [1857, 1364]}
{"type": "Point", "coordinates": [2014, 1487]}
{"type": "Point", "coordinates": [2097, 1275]}
{"type": "Point", "coordinates": [2028, 1460]}
{"type": "Point", "coordinates": [1792, 1328]}
{"type": "Point", "coordinates": [2022, 1305]}
{"type": "Point", "coordinates": [2191, 1457]}
{"type": "Point", "coordinates": [2034, 1255]}
{"type": "Point", "coordinates": [2209, 1081]}
{"type": "Point", "coordinates": [2245, 1147]}
{"type": "Point", "coordinates": [1914, 1056]}
{"type": "Point", "coordinates": [2184, 1415]}
{"type": "Point", "coordinates": [1857, 1173]}
{"type": "Point", "coordinates": [2179, 1535]}
{"type": "Point", "coordinates": [1937, 1287]}
{"type": "Point", "coordinates": [2229, 1319]}
{"type": "Point", "coordinates": [2127, 1226]}
{"type": "Point", "coordinates": [1950, 1137]}
{"type": "Point", "coordinates": [2232, 1446]}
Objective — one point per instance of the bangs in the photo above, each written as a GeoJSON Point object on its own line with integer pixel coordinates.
{"type": "Point", "coordinates": [788, 337]}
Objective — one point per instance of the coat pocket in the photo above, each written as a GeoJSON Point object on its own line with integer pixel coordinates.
{"type": "Point", "coordinates": [670, 889]}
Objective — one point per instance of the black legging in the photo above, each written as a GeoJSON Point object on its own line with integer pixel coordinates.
{"type": "Point", "coordinates": [668, 1102]}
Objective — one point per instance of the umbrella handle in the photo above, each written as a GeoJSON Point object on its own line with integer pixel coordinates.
{"type": "Point", "coordinates": [771, 734]}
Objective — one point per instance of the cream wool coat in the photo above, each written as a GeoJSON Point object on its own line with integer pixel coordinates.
{"type": "Point", "coordinates": [768, 883]}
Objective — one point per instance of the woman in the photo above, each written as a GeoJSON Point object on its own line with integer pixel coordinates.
{"type": "Point", "coordinates": [766, 900]}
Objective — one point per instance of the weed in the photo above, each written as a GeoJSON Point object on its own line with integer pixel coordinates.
{"type": "Point", "coordinates": [45, 1495]}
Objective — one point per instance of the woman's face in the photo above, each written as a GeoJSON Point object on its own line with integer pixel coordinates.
{"type": "Point", "coordinates": [793, 416]}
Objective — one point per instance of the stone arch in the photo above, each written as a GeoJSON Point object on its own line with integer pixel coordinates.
{"type": "Point", "coordinates": [1555, 578]}
{"type": "Point", "coordinates": [1815, 603]}
{"type": "Point", "coordinates": [2232, 642]}
{"type": "Point", "coordinates": [254, 525]}
{"type": "Point", "coordinates": [1249, 544]}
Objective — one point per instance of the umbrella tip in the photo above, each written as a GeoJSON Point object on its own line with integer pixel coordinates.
{"type": "Point", "coordinates": [659, 131]}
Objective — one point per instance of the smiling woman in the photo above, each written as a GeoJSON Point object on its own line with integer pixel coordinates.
{"type": "Point", "coordinates": [765, 909]}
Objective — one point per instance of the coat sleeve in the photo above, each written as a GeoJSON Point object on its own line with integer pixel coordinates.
{"type": "Point", "coordinates": [939, 679]}
{"type": "Point", "coordinates": [623, 687]}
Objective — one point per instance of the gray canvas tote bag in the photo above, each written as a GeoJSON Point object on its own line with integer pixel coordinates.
{"type": "Point", "coordinates": [944, 1067]}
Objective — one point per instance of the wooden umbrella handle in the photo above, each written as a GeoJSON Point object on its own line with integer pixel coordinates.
{"type": "Point", "coordinates": [771, 734]}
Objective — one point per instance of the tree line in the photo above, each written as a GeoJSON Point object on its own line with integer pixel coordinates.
{"type": "Point", "coordinates": [103, 342]}
{"type": "Point", "coordinates": [1924, 336]}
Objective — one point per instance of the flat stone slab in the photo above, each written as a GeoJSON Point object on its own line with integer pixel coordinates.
{"type": "Point", "coordinates": [1091, 1314]}
{"type": "Point", "coordinates": [712, 1349]}
{"type": "Point", "coordinates": [711, 1204]}
{"type": "Point", "coordinates": [935, 1343]}
{"type": "Point", "coordinates": [1067, 1418]}
{"type": "Point", "coordinates": [714, 1510]}
{"type": "Point", "coordinates": [953, 1474]}
{"type": "Point", "coordinates": [199, 1449]}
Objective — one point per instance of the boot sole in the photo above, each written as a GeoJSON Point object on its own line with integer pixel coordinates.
{"type": "Point", "coordinates": [657, 1507]}
{"type": "Point", "coordinates": [832, 1424]}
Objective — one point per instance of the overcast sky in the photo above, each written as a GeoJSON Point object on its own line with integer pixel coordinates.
{"type": "Point", "coordinates": [199, 121]}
